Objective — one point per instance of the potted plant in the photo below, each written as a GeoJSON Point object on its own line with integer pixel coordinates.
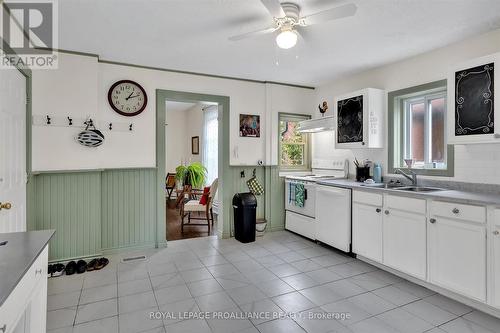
{"type": "Point", "coordinates": [194, 174]}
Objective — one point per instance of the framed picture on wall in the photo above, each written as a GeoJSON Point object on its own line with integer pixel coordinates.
{"type": "Point", "coordinates": [195, 145]}
{"type": "Point", "coordinates": [250, 125]}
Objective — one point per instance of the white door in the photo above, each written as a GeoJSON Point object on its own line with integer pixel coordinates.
{"type": "Point", "coordinates": [367, 231]}
{"type": "Point", "coordinates": [333, 217]}
{"type": "Point", "coordinates": [405, 242]}
{"type": "Point", "coordinates": [457, 256]}
{"type": "Point", "coordinates": [12, 150]}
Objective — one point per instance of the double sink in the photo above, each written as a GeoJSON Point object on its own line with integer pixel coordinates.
{"type": "Point", "coordinates": [399, 187]}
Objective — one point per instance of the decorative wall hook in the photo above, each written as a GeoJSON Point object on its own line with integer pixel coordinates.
{"type": "Point", "coordinates": [254, 172]}
{"type": "Point", "coordinates": [70, 121]}
{"type": "Point", "coordinates": [48, 120]}
{"type": "Point", "coordinates": [242, 174]}
{"type": "Point", "coordinates": [130, 127]}
{"type": "Point", "coordinates": [110, 126]}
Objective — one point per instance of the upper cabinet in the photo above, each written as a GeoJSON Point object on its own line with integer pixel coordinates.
{"type": "Point", "coordinates": [360, 119]}
{"type": "Point", "coordinates": [472, 97]}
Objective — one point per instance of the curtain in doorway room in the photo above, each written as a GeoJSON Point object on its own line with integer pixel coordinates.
{"type": "Point", "coordinates": [210, 142]}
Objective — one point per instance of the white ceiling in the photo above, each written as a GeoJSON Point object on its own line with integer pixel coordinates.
{"type": "Point", "coordinates": [191, 35]}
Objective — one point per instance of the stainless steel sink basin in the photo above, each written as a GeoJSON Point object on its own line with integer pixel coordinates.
{"type": "Point", "coordinates": [388, 186]}
{"type": "Point", "coordinates": [418, 189]}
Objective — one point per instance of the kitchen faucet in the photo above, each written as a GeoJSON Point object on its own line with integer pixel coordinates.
{"type": "Point", "coordinates": [412, 176]}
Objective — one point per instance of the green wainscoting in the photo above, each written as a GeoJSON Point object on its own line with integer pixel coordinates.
{"type": "Point", "coordinates": [70, 203]}
{"type": "Point", "coordinates": [110, 210]}
{"type": "Point", "coordinates": [128, 212]}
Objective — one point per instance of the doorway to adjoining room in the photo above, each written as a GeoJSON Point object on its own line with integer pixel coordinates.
{"type": "Point", "coordinates": [191, 159]}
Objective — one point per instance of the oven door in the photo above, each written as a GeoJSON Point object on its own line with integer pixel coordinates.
{"type": "Point", "coordinates": [309, 198]}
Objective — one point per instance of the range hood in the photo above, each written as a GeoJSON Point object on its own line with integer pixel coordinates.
{"type": "Point", "coordinates": [316, 125]}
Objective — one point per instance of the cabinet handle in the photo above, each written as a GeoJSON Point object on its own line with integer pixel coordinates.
{"type": "Point", "coordinates": [38, 271]}
{"type": "Point", "coordinates": [386, 212]}
{"type": "Point", "coordinates": [455, 211]}
{"type": "Point", "coordinates": [3, 328]}
{"type": "Point", "coordinates": [432, 220]}
{"type": "Point", "coordinates": [378, 210]}
{"type": "Point", "coordinates": [496, 232]}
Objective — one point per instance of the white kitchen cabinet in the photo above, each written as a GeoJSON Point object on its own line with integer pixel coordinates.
{"type": "Point", "coordinates": [333, 216]}
{"type": "Point", "coordinates": [25, 310]}
{"type": "Point", "coordinates": [495, 260]}
{"type": "Point", "coordinates": [300, 224]}
{"type": "Point", "coordinates": [472, 96]}
{"type": "Point", "coordinates": [360, 119]}
{"type": "Point", "coordinates": [405, 241]}
{"type": "Point", "coordinates": [457, 251]}
{"type": "Point", "coordinates": [367, 231]}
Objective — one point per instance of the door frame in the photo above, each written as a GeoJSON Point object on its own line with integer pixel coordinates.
{"type": "Point", "coordinates": [224, 172]}
{"type": "Point", "coordinates": [26, 72]}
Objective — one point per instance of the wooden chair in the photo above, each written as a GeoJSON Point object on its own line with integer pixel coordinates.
{"type": "Point", "coordinates": [194, 205]}
{"type": "Point", "coordinates": [170, 184]}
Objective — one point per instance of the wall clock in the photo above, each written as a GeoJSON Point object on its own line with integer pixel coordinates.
{"type": "Point", "coordinates": [127, 98]}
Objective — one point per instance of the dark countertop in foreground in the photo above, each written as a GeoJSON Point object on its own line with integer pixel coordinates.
{"type": "Point", "coordinates": [17, 256]}
{"type": "Point", "coordinates": [444, 195]}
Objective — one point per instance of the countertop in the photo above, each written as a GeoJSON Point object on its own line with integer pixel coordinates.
{"type": "Point", "coordinates": [444, 195]}
{"type": "Point", "coordinates": [17, 256]}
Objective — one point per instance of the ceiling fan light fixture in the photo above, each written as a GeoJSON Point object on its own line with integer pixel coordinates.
{"type": "Point", "coordinates": [286, 39]}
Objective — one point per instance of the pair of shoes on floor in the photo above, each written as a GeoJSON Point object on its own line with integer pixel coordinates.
{"type": "Point", "coordinates": [97, 264]}
{"type": "Point", "coordinates": [76, 267]}
{"type": "Point", "coordinates": [55, 270]}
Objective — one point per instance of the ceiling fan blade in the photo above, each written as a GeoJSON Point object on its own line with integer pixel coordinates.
{"type": "Point", "coordinates": [331, 14]}
{"type": "Point", "coordinates": [273, 7]}
{"type": "Point", "coordinates": [252, 34]}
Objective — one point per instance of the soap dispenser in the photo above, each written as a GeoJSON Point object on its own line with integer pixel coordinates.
{"type": "Point", "coordinates": [377, 173]}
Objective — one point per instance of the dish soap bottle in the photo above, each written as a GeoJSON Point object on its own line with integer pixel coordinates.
{"type": "Point", "coordinates": [377, 173]}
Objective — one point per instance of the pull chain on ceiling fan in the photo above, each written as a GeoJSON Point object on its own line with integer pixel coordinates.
{"type": "Point", "coordinates": [287, 19]}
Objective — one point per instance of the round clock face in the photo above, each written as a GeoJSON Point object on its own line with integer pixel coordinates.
{"type": "Point", "coordinates": [127, 98]}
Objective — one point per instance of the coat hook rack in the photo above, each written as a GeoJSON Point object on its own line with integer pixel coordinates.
{"type": "Point", "coordinates": [70, 121]}
{"type": "Point", "coordinates": [48, 120]}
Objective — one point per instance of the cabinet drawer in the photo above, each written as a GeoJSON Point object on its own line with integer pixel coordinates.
{"type": "Point", "coordinates": [15, 305]}
{"type": "Point", "coordinates": [459, 211]}
{"type": "Point", "coordinates": [300, 224]}
{"type": "Point", "coordinates": [368, 198]}
{"type": "Point", "coordinates": [407, 204]}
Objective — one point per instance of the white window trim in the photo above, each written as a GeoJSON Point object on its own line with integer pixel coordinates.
{"type": "Point", "coordinates": [306, 166]}
{"type": "Point", "coordinates": [425, 99]}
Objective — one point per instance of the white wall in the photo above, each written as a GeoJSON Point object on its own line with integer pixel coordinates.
{"type": "Point", "coordinates": [79, 88]}
{"type": "Point", "coordinates": [175, 132]}
{"type": "Point", "coordinates": [473, 163]}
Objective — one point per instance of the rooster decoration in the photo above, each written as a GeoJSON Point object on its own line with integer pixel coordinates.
{"type": "Point", "coordinates": [323, 108]}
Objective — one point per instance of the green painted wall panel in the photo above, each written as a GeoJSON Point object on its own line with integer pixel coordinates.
{"type": "Point", "coordinates": [70, 204]}
{"type": "Point", "coordinates": [128, 208]}
{"type": "Point", "coordinates": [275, 202]}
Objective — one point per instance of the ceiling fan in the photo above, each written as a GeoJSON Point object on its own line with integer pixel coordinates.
{"type": "Point", "coordinates": [287, 19]}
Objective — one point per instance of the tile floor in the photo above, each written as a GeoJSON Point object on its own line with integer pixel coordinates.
{"type": "Point", "coordinates": [295, 284]}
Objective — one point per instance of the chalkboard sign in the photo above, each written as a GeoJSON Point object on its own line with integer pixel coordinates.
{"type": "Point", "coordinates": [350, 120]}
{"type": "Point", "coordinates": [474, 95]}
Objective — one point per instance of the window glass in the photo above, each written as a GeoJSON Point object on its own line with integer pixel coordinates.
{"type": "Point", "coordinates": [293, 144]}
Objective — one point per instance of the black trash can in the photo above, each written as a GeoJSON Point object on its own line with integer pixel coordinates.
{"type": "Point", "coordinates": [245, 207]}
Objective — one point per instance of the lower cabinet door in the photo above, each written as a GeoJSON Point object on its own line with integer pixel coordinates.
{"type": "Point", "coordinates": [367, 231]}
{"type": "Point", "coordinates": [405, 242]}
{"type": "Point", "coordinates": [457, 256]}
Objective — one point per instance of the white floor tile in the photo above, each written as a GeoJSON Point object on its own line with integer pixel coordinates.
{"type": "Point", "coordinates": [321, 295]}
{"type": "Point", "coordinates": [134, 287]}
{"type": "Point", "coordinates": [178, 311]}
{"type": "Point", "coordinates": [404, 321]}
{"type": "Point", "coordinates": [97, 310]}
{"type": "Point", "coordinates": [485, 320]}
{"type": "Point", "coordinates": [293, 302]}
{"type": "Point", "coordinates": [429, 312]}
{"type": "Point", "coordinates": [196, 274]}
{"type": "Point", "coordinates": [172, 294]}
{"type": "Point", "coordinates": [395, 295]}
{"type": "Point", "coordinates": [461, 325]}
{"type": "Point", "coordinates": [224, 269]}
{"type": "Point", "coordinates": [300, 281]}
{"type": "Point", "coordinates": [61, 318]}
{"type": "Point", "coordinates": [371, 303]}
{"type": "Point", "coordinates": [136, 302]}
{"type": "Point", "coordinates": [139, 321]}
{"type": "Point", "coordinates": [189, 326]}
{"type": "Point", "coordinates": [266, 307]}
{"type": "Point", "coordinates": [97, 294]}
{"type": "Point", "coordinates": [372, 325]}
{"type": "Point", "coordinates": [274, 287]}
{"type": "Point", "coordinates": [106, 325]}
{"type": "Point", "coordinates": [167, 280]}
{"type": "Point", "coordinates": [65, 300]}
{"type": "Point", "coordinates": [204, 287]}
{"type": "Point", "coordinates": [347, 312]}
{"type": "Point", "coordinates": [280, 326]}
{"type": "Point", "coordinates": [448, 304]}
{"type": "Point", "coordinates": [215, 302]}
{"type": "Point", "coordinates": [245, 294]}
{"type": "Point", "coordinates": [229, 324]}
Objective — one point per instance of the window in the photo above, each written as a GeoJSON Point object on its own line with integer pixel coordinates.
{"type": "Point", "coordinates": [293, 146]}
{"type": "Point", "coordinates": [417, 123]}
